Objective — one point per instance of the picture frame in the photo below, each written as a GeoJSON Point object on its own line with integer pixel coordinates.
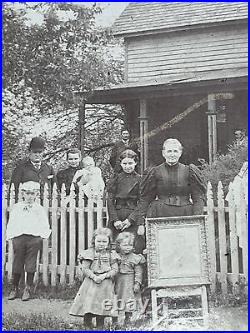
{"type": "Point", "coordinates": [177, 251]}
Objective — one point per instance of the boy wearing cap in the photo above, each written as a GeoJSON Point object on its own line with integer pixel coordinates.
{"type": "Point", "coordinates": [33, 168]}
{"type": "Point", "coordinates": [28, 224]}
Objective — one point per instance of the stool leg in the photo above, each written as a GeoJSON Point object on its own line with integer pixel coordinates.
{"type": "Point", "coordinates": [165, 310]}
{"type": "Point", "coordinates": [154, 305]}
{"type": "Point", "coordinates": [204, 305]}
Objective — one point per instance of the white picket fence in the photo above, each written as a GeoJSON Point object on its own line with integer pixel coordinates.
{"type": "Point", "coordinates": [73, 221]}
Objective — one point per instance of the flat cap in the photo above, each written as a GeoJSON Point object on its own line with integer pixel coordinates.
{"type": "Point", "coordinates": [30, 186]}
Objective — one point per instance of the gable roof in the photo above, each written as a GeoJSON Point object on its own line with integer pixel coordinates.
{"type": "Point", "coordinates": [139, 17]}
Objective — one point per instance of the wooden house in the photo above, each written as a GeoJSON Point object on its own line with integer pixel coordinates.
{"type": "Point", "coordinates": [185, 75]}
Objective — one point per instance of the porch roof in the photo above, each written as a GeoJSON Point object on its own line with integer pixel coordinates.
{"type": "Point", "coordinates": [151, 17]}
{"type": "Point", "coordinates": [210, 81]}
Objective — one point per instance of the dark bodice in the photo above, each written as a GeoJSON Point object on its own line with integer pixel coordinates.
{"type": "Point", "coordinates": [123, 192]}
{"type": "Point", "coordinates": [168, 181]}
{"type": "Point", "coordinates": [179, 185]}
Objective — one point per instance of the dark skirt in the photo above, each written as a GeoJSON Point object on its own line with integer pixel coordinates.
{"type": "Point", "coordinates": [123, 214]}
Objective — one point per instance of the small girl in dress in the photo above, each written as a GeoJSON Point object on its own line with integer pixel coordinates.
{"type": "Point", "coordinates": [129, 278]}
{"type": "Point", "coordinates": [99, 266]}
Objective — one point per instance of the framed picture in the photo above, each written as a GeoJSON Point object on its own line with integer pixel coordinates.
{"type": "Point", "coordinates": [177, 251]}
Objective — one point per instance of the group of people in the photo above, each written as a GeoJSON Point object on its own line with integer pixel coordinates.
{"type": "Point", "coordinates": [114, 264]}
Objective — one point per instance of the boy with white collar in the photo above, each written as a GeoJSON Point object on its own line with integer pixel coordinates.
{"type": "Point", "coordinates": [28, 224]}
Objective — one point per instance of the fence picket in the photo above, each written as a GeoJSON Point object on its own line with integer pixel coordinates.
{"type": "Point", "coordinates": [45, 250]}
{"type": "Point", "coordinates": [72, 241]}
{"type": "Point", "coordinates": [54, 235]}
{"type": "Point", "coordinates": [4, 225]}
{"type": "Point", "coordinates": [81, 220]}
{"type": "Point", "coordinates": [99, 212]}
{"type": "Point", "coordinates": [222, 238]}
{"type": "Point", "coordinates": [233, 237]}
{"type": "Point", "coordinates": [244, 233]}
{"type": "Point", "coordinates": [63, 249]}
{"type": "Point", "coordinates": [60, 250]}
{"type": "Point", "coordinates": [211, 235]}
{"type": "Point", "coordinates": [12, 196]}
{"type": "Point", "coordinates": [90, 219]}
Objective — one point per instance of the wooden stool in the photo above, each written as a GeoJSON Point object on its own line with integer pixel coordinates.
{"type": "Point", "coordinates": [178, 292]}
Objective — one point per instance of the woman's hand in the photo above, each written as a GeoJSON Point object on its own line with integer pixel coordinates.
{"type": "Point", "coordinates": [125, 224]}
{"type": "Point", "coordinates": [99, 278]}
{"type": "Point", "coordinates": [118, 225]}
{"type": "Point", "coordinates": [141, 230]}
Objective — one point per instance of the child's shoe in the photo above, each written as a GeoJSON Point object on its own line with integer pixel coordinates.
{"type": "Point", "coordinates": [26, 294]}
{"type": "Point", "coordinates": [13, 294]}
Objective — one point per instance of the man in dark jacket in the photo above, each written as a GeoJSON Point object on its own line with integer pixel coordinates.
{"type": "Point", "coordinates": [33, 168]}
{"type": "Point", "coordinates": [119, 147]}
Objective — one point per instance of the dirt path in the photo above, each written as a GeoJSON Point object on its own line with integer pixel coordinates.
{"type": "Point", "coordinates": [231, 319]}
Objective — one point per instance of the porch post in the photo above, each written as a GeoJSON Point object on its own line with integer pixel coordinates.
{"type": "Point", "coordinates": [212, 128]}
{"type": "Point", "coordinates": [143, 134]}
{"type": "Point", "coordinates": [80, 102]}
{"type": "Point", "coordinates": [81, 136]}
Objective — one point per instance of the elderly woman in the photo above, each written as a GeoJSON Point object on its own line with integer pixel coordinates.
{"type": "Point", "coordinates": [170, 189]}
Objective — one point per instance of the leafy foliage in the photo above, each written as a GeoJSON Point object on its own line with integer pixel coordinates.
{"type": "Point", "coordinates": [43, 66]}
{"type": "Point", "coordinates": [227, 166]}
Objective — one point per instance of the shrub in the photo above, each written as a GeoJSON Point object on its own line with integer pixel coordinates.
{"type": "Point", "coordinates": [226, 166]}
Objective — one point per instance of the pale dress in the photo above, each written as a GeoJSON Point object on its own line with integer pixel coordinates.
{"type": "Point", "coordinates": [91, 296]}
{"type": "Point", "coordinates": [130, 271]}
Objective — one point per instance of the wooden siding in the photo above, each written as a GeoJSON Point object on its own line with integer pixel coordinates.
{"type": "Point", "coordinates": [141, 17]}
{"type": "Point", "coordinates": [185, 53]}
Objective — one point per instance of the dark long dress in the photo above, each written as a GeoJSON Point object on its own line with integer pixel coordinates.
{"type": "Point", "coordinates": [123, 195]}
{"type": "Point", "coordinates": [177, 190]}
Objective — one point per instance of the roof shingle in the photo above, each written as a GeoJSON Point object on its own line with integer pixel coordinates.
{"type": "Point", "coordinates": [139, 17]}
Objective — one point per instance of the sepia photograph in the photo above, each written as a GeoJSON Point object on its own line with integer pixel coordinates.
{"type": "Point", "coordinates": [125, 166]}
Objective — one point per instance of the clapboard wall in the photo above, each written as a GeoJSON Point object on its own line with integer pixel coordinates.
{"type": "Point", "coordinates": [159, 56]}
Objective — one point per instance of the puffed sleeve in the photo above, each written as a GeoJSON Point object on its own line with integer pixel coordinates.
{"type": "Point", "coordinates": [198, 189]}
{"type": "Point", "coordinates": [85, 259]}
{"type": "Point", "coordinates": [114, 260]}
{"type": "Point", "coordinates": [138, 268]}
{"type": "Point", "coordinates": [147, 195]}
{"type": "Point", "coordinates": [111, 191]}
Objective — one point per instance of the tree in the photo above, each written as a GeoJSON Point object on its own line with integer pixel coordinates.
{"type": "Point", "coordinates": [43, 65]}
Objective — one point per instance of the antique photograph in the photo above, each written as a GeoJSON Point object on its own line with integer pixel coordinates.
{"type": "Point", "coordinates": [125, 166]}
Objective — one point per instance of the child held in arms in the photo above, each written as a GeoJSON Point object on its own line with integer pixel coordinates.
{"type": "Point", "coordinates": [90, 177]}
{"type": "Point", "coordinates": [28, 224]}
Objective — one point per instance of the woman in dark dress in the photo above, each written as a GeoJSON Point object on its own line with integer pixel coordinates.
{"type": "Point", "coordinates": [123, 194]}
{"type": "Point", "coordinates": [170, 189]}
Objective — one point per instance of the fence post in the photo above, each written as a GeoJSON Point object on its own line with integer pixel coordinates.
{"type": "Point", "coordinates": [54, 233]}
{"type": "Point", "coordinates": [4, 224]}
{"type": "Point", "coordinates": [233, 236]}
{"type": "Point", "coordinates": [222, 238]}
{"type": "Point", "coordinates": [10, 249]}
{"type": "Point", "coordinates": [46, 241]}
{"type": "Point", "coordinates": [72, 228]}
{"type": "Point", "coordinates": [244, 226]}
{"type": "Point", "coordinates": [63, 263]}
{"type": "Point", "coordinates": [211, 235]}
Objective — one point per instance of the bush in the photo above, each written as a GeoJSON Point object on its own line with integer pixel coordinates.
{"type": "Point", "coordinates": [227, 166]}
